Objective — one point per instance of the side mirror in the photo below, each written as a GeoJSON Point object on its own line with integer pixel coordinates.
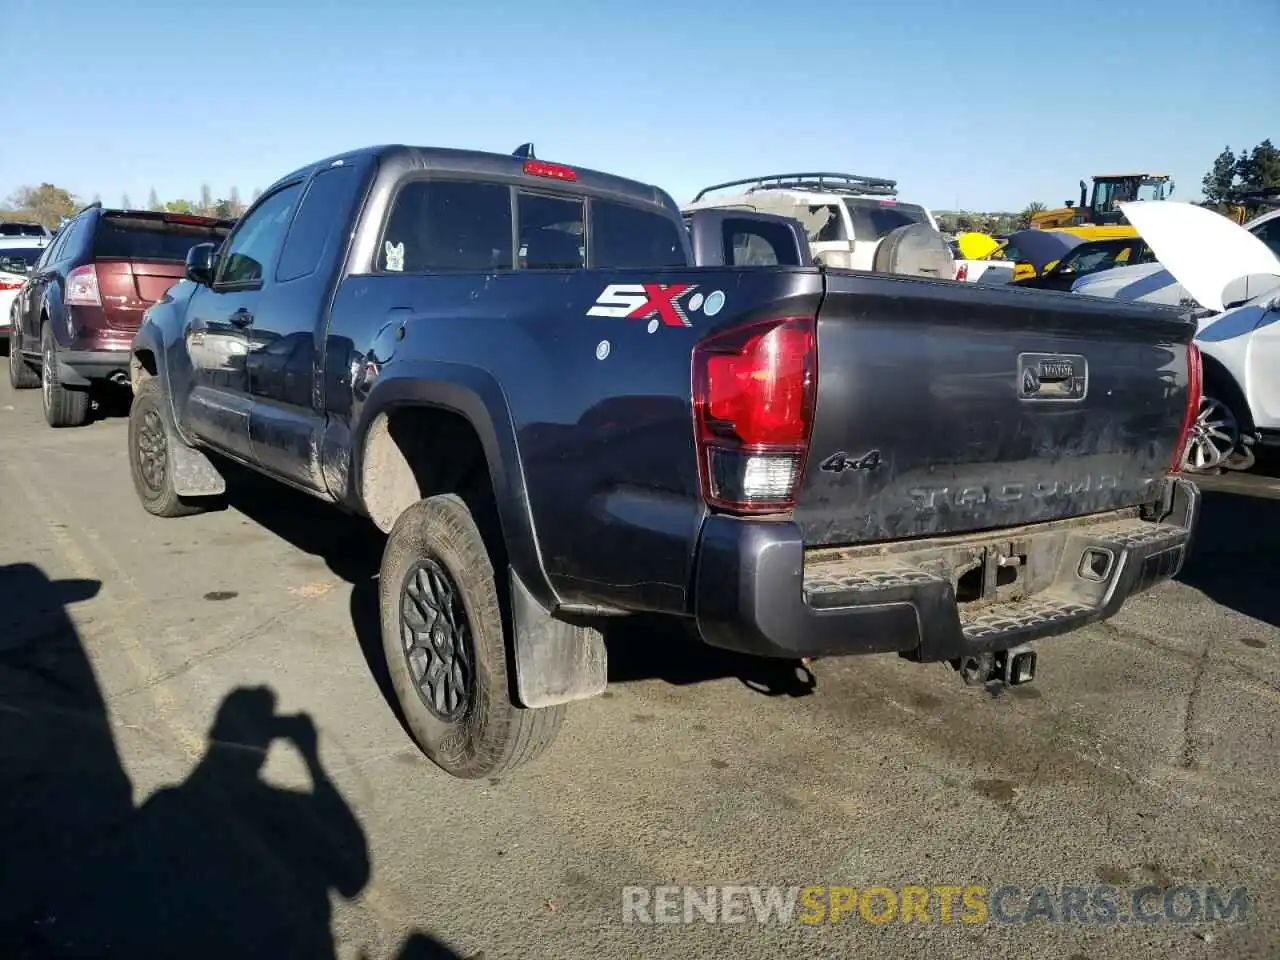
{"type": "Point", "coordinates": [201, 260]}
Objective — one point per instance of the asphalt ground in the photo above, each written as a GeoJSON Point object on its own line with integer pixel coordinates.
{"type": "Point", "coordinates": [197, 758]}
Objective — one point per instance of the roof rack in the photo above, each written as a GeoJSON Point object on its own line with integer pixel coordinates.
{"type": "Point", "coordinates": [1266, 196]}
{"type": "Point", "coordinates": [818, 182]}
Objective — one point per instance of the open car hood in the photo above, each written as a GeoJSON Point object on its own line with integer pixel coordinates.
{"type": "Point", "coordinates": [976, 246]}
{"type": "Point", "coordinates": [1203, 250]}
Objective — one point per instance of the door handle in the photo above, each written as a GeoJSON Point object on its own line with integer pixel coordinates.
{"type": "Point", "coordinates": [241, 318]}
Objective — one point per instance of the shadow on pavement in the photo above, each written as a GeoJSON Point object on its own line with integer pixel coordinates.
{"type": "Point", "coordinates": [1234, 560]}
{"type": "Point", "coordinates": [645, 648]}
{"type": "Point", "coordinates": [640, 647]}
{"type": "Point", "coordinates": [219, 865]}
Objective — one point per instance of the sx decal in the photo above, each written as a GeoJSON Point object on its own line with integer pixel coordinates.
{"type": "Point", "coordinates": [669, 302]}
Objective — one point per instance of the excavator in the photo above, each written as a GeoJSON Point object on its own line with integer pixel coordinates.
{"type": "Point", "coordinates": [1099, 217]}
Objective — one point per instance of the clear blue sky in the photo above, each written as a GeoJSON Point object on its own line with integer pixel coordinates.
{"type": "Point", "coordinates": [120, 97]}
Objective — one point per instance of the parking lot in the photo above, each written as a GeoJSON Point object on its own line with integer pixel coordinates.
{"type": "Point", "coordinates": [1144, 754]}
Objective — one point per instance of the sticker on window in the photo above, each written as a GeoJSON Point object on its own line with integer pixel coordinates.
{"type": "Point", "coordinates": [395, 255]}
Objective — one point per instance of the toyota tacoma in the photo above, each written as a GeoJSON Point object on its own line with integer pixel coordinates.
{"type": "Point", "coordinates": [513, 369]}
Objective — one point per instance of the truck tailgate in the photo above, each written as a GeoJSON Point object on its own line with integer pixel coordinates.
{"type": "Point", "coordinates": [946, 408]}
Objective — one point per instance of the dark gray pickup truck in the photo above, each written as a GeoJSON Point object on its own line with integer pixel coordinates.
{"type": "Point", "coordinates": [512, 368]}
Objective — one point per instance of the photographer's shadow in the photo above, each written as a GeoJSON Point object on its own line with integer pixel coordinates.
{"type": "Point", "coordinates": [221, 865]}
{"type": "Point", "coordinates": [224, 864]}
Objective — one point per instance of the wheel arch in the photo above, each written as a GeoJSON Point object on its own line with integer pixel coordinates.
{"type": "Point", "coordinates": [386, 467]}
{"type": "Point", "coordinates": [1221, 384]}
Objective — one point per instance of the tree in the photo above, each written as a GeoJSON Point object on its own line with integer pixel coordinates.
{"type": "Point", "coordinates": [178, 206]}
{"type": "Point", "coordinates": [237, 208]}
{"type": "Point", "coordinates": [1219, 182]}
{"type": "Point", "coordinates": [1028, 213]}
{"type": "Point", "coordinates": [1259, 169]}
{"type": "Point", "coordinates": [257, 192]}
{"type": "Point", "coordinates": [222, 209]}
{"type": "Point", "coordinates": [206, 200]}
{"type": "Point", "coordinates": [153, 201]}
{"type": "Point", "coordinates": [44, 204]}
{"type": "Point", "coordinates": [124, 202]}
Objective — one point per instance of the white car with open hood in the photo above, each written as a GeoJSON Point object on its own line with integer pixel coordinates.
{"type": "Point", "coordinates": [1228, 270]}
{"type": "Point", "coordinates": [1153, 283]}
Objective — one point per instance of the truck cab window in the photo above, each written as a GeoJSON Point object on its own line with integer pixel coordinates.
{"type": "Point", "coordinates": [448, 225]}
{"type": "Point", "coordinates": [624, 236]}
{"type": "Point", "coordinates": [257, 238]}
{"type": "Point", "coordinates": [315, 222]}
{"type": "Point", "coordinates": [552, 233]}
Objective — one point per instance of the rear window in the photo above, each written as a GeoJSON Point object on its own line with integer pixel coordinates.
{"type": "Point", "coordinates": [439, 225]}
{"type": "Point", "coordinates": [148, 238]}
{"type": "Point", "coordinates": [19, 259]}
{"type": "Point", "coordinates": [551, 232]}
{"type": "Point", "coordinates": [623, 236]}
{"type": "Point", "coordinates": [875, 219]}
{"type": "Point", "coordinates": [448, 225]}
{"type": "Point", "coordinates": [11, 229]}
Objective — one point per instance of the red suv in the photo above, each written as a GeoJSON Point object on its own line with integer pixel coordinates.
{"type": "Point", "coordinates": [83, 301]}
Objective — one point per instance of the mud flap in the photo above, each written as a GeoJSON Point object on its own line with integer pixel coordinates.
{"type": "Point", "coordinates": [556, 662]}
{"type": "Point", "coordinates": [194, 475]}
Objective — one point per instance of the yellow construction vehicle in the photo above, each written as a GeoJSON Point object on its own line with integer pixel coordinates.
{"type": "Point", "coordinates": [1102, 210]}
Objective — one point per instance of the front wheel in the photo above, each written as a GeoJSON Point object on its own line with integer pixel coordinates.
{"type": "Point", "coordinates": [444, 638]}
{"type": "Point", "coordinates": [150, 440]}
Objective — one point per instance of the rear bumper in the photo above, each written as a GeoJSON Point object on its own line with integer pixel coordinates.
{"type": "Point", "coordinates": [757, 592]}
{"type": "Point", "coordinates": [79, 368]}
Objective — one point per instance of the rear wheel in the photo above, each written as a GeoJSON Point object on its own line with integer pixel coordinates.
{"type": "Point", "coordinates": [444, 638]}
{"type": "Point", "coordinates": [63, 406]}
{"type": "Point", "coordinates": [22, 376]}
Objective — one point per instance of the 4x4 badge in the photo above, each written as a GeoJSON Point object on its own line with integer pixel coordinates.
{"type": "Point", "coordinates": [840, 462]}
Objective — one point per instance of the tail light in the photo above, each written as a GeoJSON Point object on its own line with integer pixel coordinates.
{"type": "Point", "coordinates": [82, 288]}
{"type": "Point", "coordinates": [1195, 389]}
{"type": "Point", "coordinates": [754, 393]}
{"type": "Point", "coordinates": [14, 284]}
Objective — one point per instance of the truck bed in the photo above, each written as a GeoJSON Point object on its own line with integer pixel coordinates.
{"type": "Point", "coordinates": [950, 408]}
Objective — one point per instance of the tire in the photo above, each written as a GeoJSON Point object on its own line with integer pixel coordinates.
{"type": "Point", "coordinates": [150, 440]}
{"type": "Point", "coordinates": [436, 554]}
{"type": "Point", "coordinates": [22, 376]}
{"type": "Point", "coordinates": [1243, 459]}
{"type": "Point", "coordinates": [914, 250]}
{"type": "Point", "coordinates": [63, 406]}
